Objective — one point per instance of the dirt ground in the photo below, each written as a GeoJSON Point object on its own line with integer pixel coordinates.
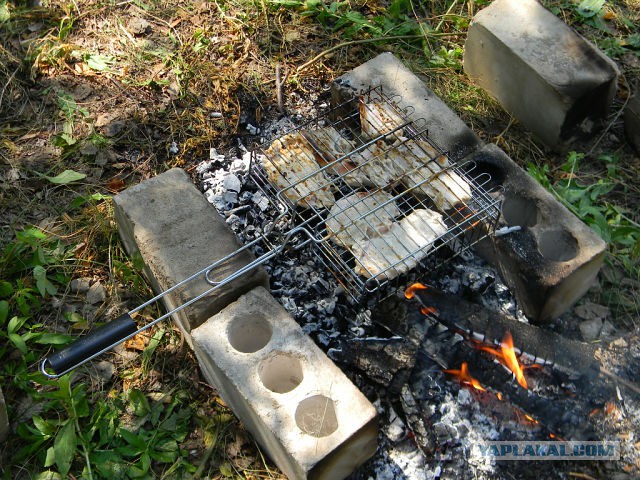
{"type": "Point", "coordinates": [122, 91]}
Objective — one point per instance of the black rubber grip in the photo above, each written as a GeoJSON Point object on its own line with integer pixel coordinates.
{"type": "Point", "coordinates": [109, 334]}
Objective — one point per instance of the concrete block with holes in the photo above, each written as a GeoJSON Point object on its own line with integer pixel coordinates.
{"type": "Point", "coordinates": [170, 224]}
{"type": "Point", "coordinates": [539, 69]}
{"type": "Point", "coordinates": [554, 259]}
{"type": "Point", "coordinates": [305, 413]}
{"type": "Point", "coordinates": [445, 128]}
{"type": "Point", "coordinates": [632, 121]}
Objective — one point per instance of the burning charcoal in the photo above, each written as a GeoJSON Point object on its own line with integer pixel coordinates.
{"type": "Point", "coordinates": [445, 433]}
{"type": "Point", "coordinates": [396, 430]}
{"type": "Point", "coordinates": [232, 183]}
{"type": "Point", "coordinates": [261, 201]}
{"type": "Point", "coordinates": [215, 156]}
{"type": "Point", "coordinates": [385, 361]}
{"type": "Point", "coordinates": [417, 420]}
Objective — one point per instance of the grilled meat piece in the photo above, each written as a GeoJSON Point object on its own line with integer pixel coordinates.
{"type": "Point", "coordinates": [401, 248]}
{"type": "Point", "coordinates": [289, 160]}
{"type": "Point", "coordinates": [429, 174]}
{"type": "Point", "coordinates": [378, 119]}
{"type": "Point", "coordinates": [361, 216]}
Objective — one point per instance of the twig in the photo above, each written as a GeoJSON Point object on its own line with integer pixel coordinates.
{"type": "Point", "coordinates": [453, 4]}
{"type": "Point", "coordinates": [279, 88]}
{"type": "Point", "coordinates": [615, 118]}
{"type": "Point", "coordinates": [357, 42]}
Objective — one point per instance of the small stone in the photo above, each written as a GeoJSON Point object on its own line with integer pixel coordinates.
{"type": "Point", "coordinates": [608, 330]}
{"type": "Point", "coordinates": [138, 26]}
{"type": "Point", "coordinates": [80, 285]}
{"type": "Point", "coordinates": [590, 329]}
{"type": "Point", "coordinates": [104, 370]}
{"type": "Point", "coordinates": [96, 294]}
{"type": "Point", "coordinates": [590, 311]}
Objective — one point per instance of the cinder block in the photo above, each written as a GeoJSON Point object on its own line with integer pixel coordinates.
{"type": "Point", "coordinates": [177, 233]}
{"type": "Point", "coordinates": [445, 128]}
{"type": "Point", "coordinates": [538, 68]}
{"type": "Point", "coordinates": [554, 259]}
{"type": "Point", "coordinates": [305, 413]}
{"type": "Point", "coordinates": [632, 122]}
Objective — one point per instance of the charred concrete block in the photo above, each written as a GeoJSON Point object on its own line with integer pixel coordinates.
{"type": "Point", "coordinates": [170, 224]}
{"type": "Point", "coordinates": [310, 419]}
{"type": "Point", "coordinates": [445, 128]}
{"type": "Point", "coordinates": [632, 122]}
{"type": "Point", "coordinates": [538, 68]}
{"type": "Point", "coordinates": [554, 259]}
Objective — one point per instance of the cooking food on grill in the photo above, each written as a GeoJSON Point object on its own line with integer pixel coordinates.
{"type": "Point", "coordinates": [375, 167]}
{"type": "Point", "coordinates": [290, 160]}
{"type": "Point", "coordinates": [361, 216]}
{"type": "Point", "coordinates": [401, 248]}
{"type": "Point", "coordinates": [435, 179]}
{"type": "Point", "coordinates": [378, 119]}
{"type": "Point", "coordinates": [328, 146]}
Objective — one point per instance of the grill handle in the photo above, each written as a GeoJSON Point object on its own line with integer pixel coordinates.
{"type": "Point", "coordinates": [89, 346]}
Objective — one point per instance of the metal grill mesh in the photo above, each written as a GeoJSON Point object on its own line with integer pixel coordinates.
{"type": "Point", "coordinates": [374, 194]}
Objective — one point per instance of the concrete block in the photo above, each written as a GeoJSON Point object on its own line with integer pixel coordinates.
{"type": "Point", "coordinates": [445, 128]}
{"type": "Point", "coordinates": [540, 70]}
{"type": "Point", "coordinates": [177, 232]}
{"type": "Point", "coordinates": [632, 122]}
{"type": "Point", "coordinates": [305, 413]}
{"type": "Point", "coordinates": [554, 259]}
{"type": "Point", "coordinates": [4, 419]}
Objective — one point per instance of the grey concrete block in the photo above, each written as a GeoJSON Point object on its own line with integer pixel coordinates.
{"type": "Point", "coordinates": [177, 233]}
{"type": "Point", "coordinates": [444, 126]}
{"type": "Point", "coordinates": [305, 413]}
{"type": "Point", "coordinates": [632, 122]}
{"type": "Point", "coordinates": [538, 68]}
{"type": "Point", "coordinates": [554, 259]}
{"type": "Point", "coordinates": [4, 419]}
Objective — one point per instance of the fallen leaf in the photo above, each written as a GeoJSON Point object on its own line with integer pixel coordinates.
{"type": "Point", "coordinates": [115, 185]}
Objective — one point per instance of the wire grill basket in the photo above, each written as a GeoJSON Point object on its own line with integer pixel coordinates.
{"type": "Point", "coordinates": [374, 194]}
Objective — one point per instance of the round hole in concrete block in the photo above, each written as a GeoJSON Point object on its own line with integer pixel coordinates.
{"type": "Point", "coordinates": [281, 372]}
{"type": "Point", "coordinates": [249, 334]}
{"type": "Point", "coordinates": [557, 245]}
{"type": "Point", "coordinates": [316, 416]}
{"type": "Point", "coordinates": [519, 210]}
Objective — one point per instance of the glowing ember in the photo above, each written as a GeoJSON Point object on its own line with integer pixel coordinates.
{"type": "Point", "coordinates": [428, 311]}
{"type": "Point", "coordinates": [410, 292]}
{"type": "Point", "coordinates": [465, 378]}
{"type": "Point", "coordinates": [507, 356]}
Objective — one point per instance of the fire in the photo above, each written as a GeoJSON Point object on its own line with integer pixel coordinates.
{"type": "Point", "coordinates": [410, 292]}
{"type": "Point", "coordinates": [507, 356]}
{"type": "Point", "coordinates": [465, 378]}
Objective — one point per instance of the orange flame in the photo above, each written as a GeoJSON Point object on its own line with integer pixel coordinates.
{"type": "Point", "coordinates": [465, 378]}
{"type": "Point", "coordinates": [410, 292]}
{"type": "Point", "coordinates": [507, 356]}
